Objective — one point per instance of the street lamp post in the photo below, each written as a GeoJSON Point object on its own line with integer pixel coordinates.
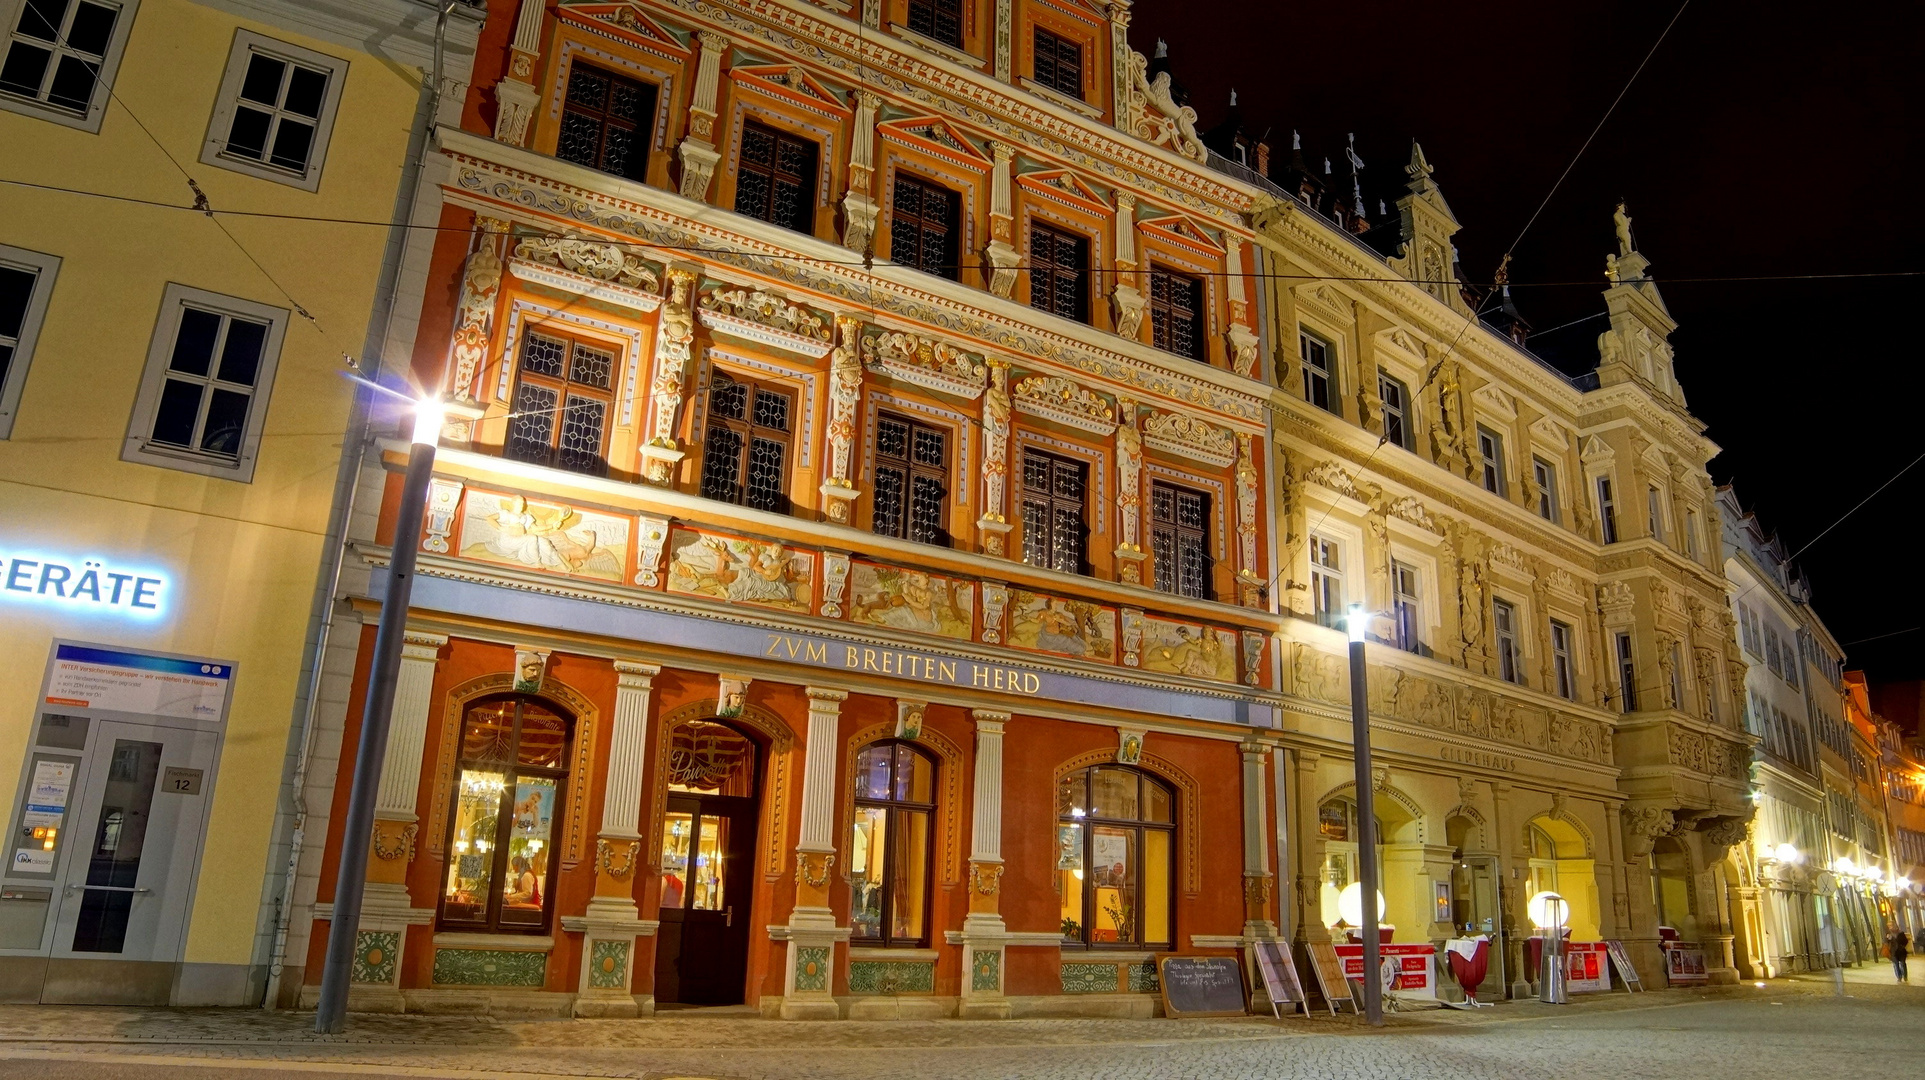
{"type": "Point", "coordinates": [331, 1015]}
{"type": "Point", "coordinates": [1356, 623]}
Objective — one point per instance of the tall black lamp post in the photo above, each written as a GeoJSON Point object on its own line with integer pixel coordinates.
{"type": "Point", "coordinates": [1357, 622]}
{"type": "Point", "coordinates": [331, 1016]}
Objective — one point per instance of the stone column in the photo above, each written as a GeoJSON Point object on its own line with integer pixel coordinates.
{"type": "Point", "coordinates": [612, 922]}
{"type": "Point", "coordinates": [1126, 300]}
{"type": "Point", "coordinates": [1001, 254]}
{"type": "Point", "coordinates": [983, 930]}
{"type": "Point", "coordinates": [386, 909]}
{"type": "Point", "coordinates": [515, 95]}
{"type": "Point", "coordinates": [809, 979]}
{"type": "Point", "coordinates": [1286, 850]}
{"type": "Point", "coordinates": [697, 151]}
{"type": "Point", "coordinates": [1256, 853]}
{"type": "Point", "coordinates": [1507, 889]}
{"type": "Point", "coordinates": [859, 206]}
{"type": "Point", "coordinates": [1309, 885]}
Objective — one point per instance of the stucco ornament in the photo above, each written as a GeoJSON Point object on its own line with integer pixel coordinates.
{"type": "Point", "coordinates": [607, 262]}
{"type": "Point", "coordinates": [1155, 115]}
{"type": "Point", "coordinates": [1642, 827]}
{"type": "Point", "coordinates": [474, 317]}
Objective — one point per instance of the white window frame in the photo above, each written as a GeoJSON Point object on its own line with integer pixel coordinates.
{"type": "Point", "coordinates": [1504, 629]}
{"type": "Point", "coordinates": [1491, 473]}
{"type": "Point", "coordinates": [1333, 397]}
{"type": "Point", "coordinates": [1407, 606]}
{"type": "Point", "coordinates": [1325, 578]}
{"type": "Point", "coordinates": [139, 448]}
{"type": "Point", "coordinates": [1403, 411]}
{"type": "Point", "coordinates": [10, 11]}
{"type": "Point", "coordinates": [1607, 510]}
{"type": "Point", "coordinates": [1544, 475]}
{"type": "Point", "coordinates": [1691, 533]}
{"type": "Point", "coordinates": [1563, 664]}
{"type": "Point", "coordinates": [1654, 511]}
{"type": "Point", "coordinates": [44, 268]}
{"type": "Point", "coordinates": [246, 44]}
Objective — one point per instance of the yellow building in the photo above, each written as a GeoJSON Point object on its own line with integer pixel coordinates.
{"type": "Point", "coordinates": [171, 407]}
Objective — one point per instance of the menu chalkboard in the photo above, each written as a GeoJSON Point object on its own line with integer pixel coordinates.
{"type": "Point", "coordinates": [1280, 977]}
{"type": "Point", "coordinates": [1201, 986]}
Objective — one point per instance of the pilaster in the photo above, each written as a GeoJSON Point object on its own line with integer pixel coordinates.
{"type": "Point", "coordinates": [395, 822]}
{"type": "Point", "coordinates": [697, 151]}
{"type": "Point", "coordinates": [808, 979]}
{"type": "Point", "coordinates": [1001, 254]}
{"type": "Point", "coordinates": [612, 922]}
{"type": "Point", "coordinates": [994, 524]}
{"type": "Point", "coordinates": [859, 206]}
{"type": "Point", "coordinates": [984, 933]}
{"type": "Point", "coordinates": [1256, 854]}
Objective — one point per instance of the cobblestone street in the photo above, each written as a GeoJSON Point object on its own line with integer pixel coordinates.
{"type": "Point", "coordinates": [1870, 1031]}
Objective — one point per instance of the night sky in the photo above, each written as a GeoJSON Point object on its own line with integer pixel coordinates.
{"type": "Point", "coordinates": [1754, 143]}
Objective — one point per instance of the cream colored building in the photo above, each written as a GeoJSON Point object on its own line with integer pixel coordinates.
{"type": "Point", "coordinates": [1555, 691]}
{"type": "Point", "coordinates": [171, 415]}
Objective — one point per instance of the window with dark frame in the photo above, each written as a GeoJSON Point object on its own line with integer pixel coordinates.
{"type": "Point", "coordinates": [937, 20]}
{"type": "Point", "coordinates": [1116, 858]}
{"type": "Point", "coordinates": [211, 380]}
{"type": "Point", "coordinates": [56, 50]}
{"type": "Point", "coordinates": [1544, 475]}
{"type": "Point", "coordinates": [1563, 674]}
{"type": "Point", "coordinates": [278, 111]}
{"type": "Point", "coordinates": [1407, 607]}
{"type": "Point", "coordinates": [1176, 312]}
{"type": "Point", "coordinates": [776, 180]}
{"type": "Point", "coordinates": [911, 489]}
{"type": "Point", "coordinates": [1607, 511]}
{"type": "Point", "coordinates": [1627, 674]}
{"type": "Point", "coordinates": [1490, 454]}
{"type": "Point", "coordinates": [564, 389]}
{"type": "Point", "coordinates": [892, 851]}
{"type": "Point", "coordinates": [1504, 625]}
{"type": "Point", "coordinates": [1055, 501]}
{"type": "Point", "coordinates": [1396, 407]}
{"type": "Point", "coordinates": [1317, 389]}
{"type": "Point", "coordinates": [1058, 272]}
{"type": "Point", "coordinates": [510, 788]}
{"type": "Point", "coordinates": [924, 226]}
{"type": "Point", "coordinates": [1058, 63]}
{"type": "Point", "coordinates": [1180, 540]}
{"type": "Point", "coordinates": [606, 121]}
{"type": "Point", "coordinates": [745, 450]}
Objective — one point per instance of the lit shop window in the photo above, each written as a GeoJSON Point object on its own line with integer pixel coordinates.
{"type": "Point", "coordinates": [508, 790]}
{"type": "Point", "coordinates": [889, 857]}
{"type": "Point", "coordinates": [1115, 858]}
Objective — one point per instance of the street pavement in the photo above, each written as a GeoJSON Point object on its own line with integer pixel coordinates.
{"type": "Point", "coordinates": [1874, 1028]}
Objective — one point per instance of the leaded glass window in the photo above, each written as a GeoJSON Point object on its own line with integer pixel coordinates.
{"type": "Point", "coordinates": [911, 480]}
{"type": "Point", "coordinates": [1058, 63]}
{"type": "Point", "coordinates": [776, 181]}
{"type": "Point", "coordinates": [923, 226]}
{"type": "Point", "coordinates": [606, 120]}
{"type": "Point", "coordinates": [564, 389]}
{"type": "Point", "coordinates": [745, 450]}
{"type": "Point", "coordinates": [1179, 540]}
{"type": "Point", "coordinates": [1176, 313]}
{"type": "Point", "coordinates": [1058, 273]}
{"type": "Point", "coordinates": [1055, 492]}
{"type": "Point", "coordinates": [937, 20]}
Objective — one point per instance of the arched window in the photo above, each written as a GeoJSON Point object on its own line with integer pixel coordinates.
{"type": "Point", "coordinates": [1116, 857]}
{"type": "Point", "coordinates": [513, 767]}
{"type": "Point", "coordinates": [889, 860]}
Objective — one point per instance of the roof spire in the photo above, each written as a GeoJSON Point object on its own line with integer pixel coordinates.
{"type": "Point", "coordinates": [1418, 170]}
{"type": "Point", "coordinates": [1233, 97]}
{"type": "Point", "coordinates": [1356, 177]}
{"type": "Point", "coordinates": [1296, 140]}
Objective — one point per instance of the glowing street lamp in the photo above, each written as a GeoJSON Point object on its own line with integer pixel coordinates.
{"type": "Point", "coordinates": [331, 1014]}
{"type": "Point", "coordinates": [1370, 912]}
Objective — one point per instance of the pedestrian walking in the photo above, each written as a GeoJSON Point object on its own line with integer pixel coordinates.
{"type": "Point", "coordinates": [1899, 946]}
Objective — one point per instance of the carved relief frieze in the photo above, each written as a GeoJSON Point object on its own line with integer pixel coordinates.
{"type": "Point", "coordinates": [767, 318]}
{"type": "Point", "coordinates": [1062, 401]}
{"type": "Point", "coordinates": [1190, 436]}
{"type": "Point", "coordinates": [926, 362]}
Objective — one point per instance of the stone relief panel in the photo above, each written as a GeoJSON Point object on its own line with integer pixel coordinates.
{"type": "Point", "coordinates": [902, 599]}
{"type": "Point", "coordinates": [740, 571]}
{"type": "Point", "coordinates": [511, 530]}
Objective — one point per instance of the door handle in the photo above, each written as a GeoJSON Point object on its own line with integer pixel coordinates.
{"type": "Point", "coordinates": [108, 888]}
{"type": "Point", "coordinates": [728, 915]}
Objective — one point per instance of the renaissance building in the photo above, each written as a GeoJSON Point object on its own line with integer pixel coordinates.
{"type": "Point", "coordinates": [886, 555]}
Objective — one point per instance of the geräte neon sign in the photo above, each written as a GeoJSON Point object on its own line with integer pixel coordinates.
{"type": "Point", "coordinates": [85, 585]}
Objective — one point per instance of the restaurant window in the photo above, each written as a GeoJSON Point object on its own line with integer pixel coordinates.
{"type": "Point", "coordinates": [1563, 676]}
{"type": "Point", "coordinates": [1543, 863]}
{"type": "Point", "coordinates": [745, 451]}
{"type": "Point", "coordinates": [1504, 623]}
{"type": "Point", "coordinates": [923, 226]}
{"type": "Point", "coordinates": [1116, 858]}
{"type": "Point", "coordinates": [1058, 268]}
{"type": "Point", "coordinates": [1179, 540]}
{"type": "Point", "coordinates": [1407, 607]}
{"type": "Point", "coordinates": [1490, 453]}
{"type": "Point", "coordinates": [1544, 475]}
{"type": "Point", "coordinates": [912, 480]}
{"type": "Point", "coordinates": [564, 389]}
{"type": "Point", "coordinates": [1396, 405]}
{"type": "Point", "coordinates": [510, 784]}
{"type": "Point", "coordinates": [1607, 511]}
{"type": "Point", "coordinates": [937, 20]}
{"type": "Point", "coordinates": [1058, 63]}
{"type": "Point", "coordinates": [1176, 311]}
{"type": "Point", "coordinates": [1341, 828]}
{"type": "Point", "coordinates": [1054, 501]}
{"type": "Point", "coordinates": [606, 120]}
{"type": "Point", "coordinates": [890, 857]}
{"type": "Point", "coordinates": [1326, 580]}
{"type": "Point", "coordinates": [1317, 377]}
{"type": "Point", "coordinates": [1627, 674]}
{"type": "Point", "coordinates": [776, 178]}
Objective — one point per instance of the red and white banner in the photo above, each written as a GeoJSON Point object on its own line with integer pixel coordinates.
{"type": "Point", "coordinates": [1587, 967]}
{"type": "Point", "coordinates": [1416, 966]}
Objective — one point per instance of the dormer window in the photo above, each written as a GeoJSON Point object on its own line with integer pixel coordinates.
{"type": "Point", "coordinates": [1058, 63]}
{"type": "Point", "coordinates": [937, 20]}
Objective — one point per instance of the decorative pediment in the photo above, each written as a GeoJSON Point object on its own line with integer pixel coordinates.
{"type": "Point", "coordinates": [1191, 437]}
{"type": "Point", "coordinates": [767, 318]}
{"type": "Point", "coordinates": [1399, 340]}
{"type": "Point", "coordinates": [1333, 476]}
{"type": "Point", "coordinates": [1153, 113]}
{"type": "Point", "coordinates": [1563, 581]}
{"type": "Point", "coordinates": [1596, 451]}
{"type": "Point", "coordinates": [1506, 557]}
{"type": "Point", "coordinates": [1050, 398]}
{"type": "Point", "coordinates": [1615, 597]}
{"type": "Point", "coordinates": [1551, 432]}
{"type": "Point", "coordinates": [934, 135]}
{"type": "Point", "coordinates": [793, 83]}
{"type": "Point", "coordinates": [1323, 296]}
{"type": "Point", "coordinates": [1495, 401]}
{"type": "Point", "coordinates": [627, 21]}
{"type": "Point", "coordinates": [1410, 509]}
{"type": "Point", "coordinates": [1183, 232]}
{"type": "Point", "coordinates": [1065, 186]}
{"type": "Point", "coordinates": [925, 362]}
{"type": "Point", "coordinates": [590, 268]}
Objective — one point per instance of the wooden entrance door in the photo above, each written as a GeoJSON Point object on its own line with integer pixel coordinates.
{"type": "Point", "coordinates": [708, 866]}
